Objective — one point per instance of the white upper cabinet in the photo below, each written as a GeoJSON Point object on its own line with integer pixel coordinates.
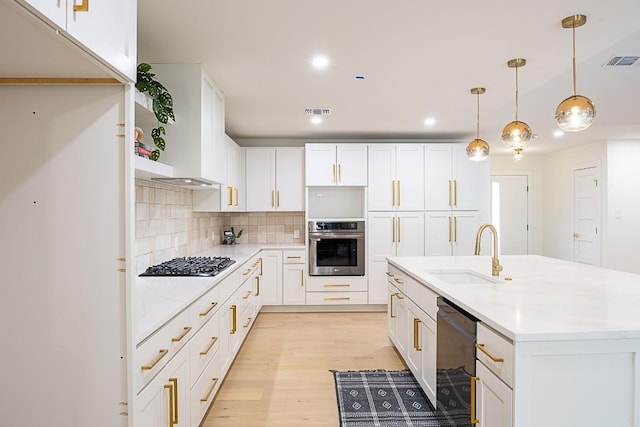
{"type": "Point", "coordinates": [232, 197]}
{"type": "Point", "coordinates": [396, 177]}
{"type": "Point", "coordinates": [196, 141]}
{"type": "Point", "coordinates": [274, 179]}
{"type": "Point", "coordinates": [336, 164]}
{"type": "Point", "coordinates": [453, 181]}
{"type": "Point", "coordinates": [105, 29]}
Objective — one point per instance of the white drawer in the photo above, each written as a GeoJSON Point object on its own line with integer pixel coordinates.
{"type": "Point", "coordinates": [336, 298]}
{"type": "Point", "coordinates": [203, 347]}
{"type": "Point", "coordinates": [329, 284]}
{"type": "Point", "coordinates": [205, 389]}
{"type": "Point", "coordinates": [396, 277]}
{"type": "Point", "coordinates": [151, 355]}
{"type": "Point", "coordinates": [293, 256]}
{"type": "Point", "coordinates": [496, 353]}
{"type": "Point", "coordinates": [205, 307]}
{"type": "Point", "coordinates": [422, 296]}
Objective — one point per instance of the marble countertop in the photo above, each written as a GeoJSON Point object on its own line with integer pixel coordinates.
{"type": "Point", "coordinates": [155, 300]}
{"type": "Point", "coordinates": [546, 299]}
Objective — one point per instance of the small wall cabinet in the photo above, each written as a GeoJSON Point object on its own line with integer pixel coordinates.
{"type": "Point", "coordinates": [336, 164]}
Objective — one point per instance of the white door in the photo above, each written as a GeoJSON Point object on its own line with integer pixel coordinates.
{"type": "Point", "coordinates": [352, 164]}
{"type": "Point", "coordinates": [510, 216]}
{"type": "Point", "coordinates": [260, 179]}
{"type": "Point", "coordinates": [470, 181]}
{"type": "Point", "coordinates": [381, 188]}
{"type": "Point", "coordinates": [438, 233]}
{"type": "Point", "coordinates": [271, 278]}
{"type": "Point", "coordinates": [410, 234]}
{"type": "Point", "coordinates": [463, 236]}
{"type": "Point", "coordinates": [438, 179]}
{"type": "Point", "coordinates": [290, 179]}
{"type": "Point", "coordinates": [293, 284]}
{"type": "Point", "coordinates": [586, 237]}
{"type": "Point", "coordinates": [410, 177]}
{"type": "Point", "coordinates": [380, 245]}
{"type": "Point", "coordinates": [320, 164]}
{"type": "Point", "coordinates": [494, 400]}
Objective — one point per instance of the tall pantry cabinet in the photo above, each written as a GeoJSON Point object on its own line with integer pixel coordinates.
{"type": "Point", "coordinates": [395, 204]}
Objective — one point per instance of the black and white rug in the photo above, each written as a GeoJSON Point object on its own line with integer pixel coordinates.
{"type": "Point", "coordinates": [395, 399]}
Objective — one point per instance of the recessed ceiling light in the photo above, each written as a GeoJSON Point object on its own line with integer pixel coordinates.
{"type": "Point", "coordinates": [429, 121]}
{"type": "Point", "coordinates": [320, 62]}
{"type": "Point", "coordinates": [316, 120]}
{"type": "Point", "coordinates": [558, 133]}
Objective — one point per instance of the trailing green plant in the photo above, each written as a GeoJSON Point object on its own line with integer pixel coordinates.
{"type": "Point", "coordinates": [162, 104]}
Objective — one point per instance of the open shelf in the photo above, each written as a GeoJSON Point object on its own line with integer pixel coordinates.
{"type": "Point", "coordinates": [147, 169]}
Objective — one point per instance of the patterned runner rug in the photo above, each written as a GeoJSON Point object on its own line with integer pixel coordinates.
{"type": "Point", "coordinates": [395, 399]}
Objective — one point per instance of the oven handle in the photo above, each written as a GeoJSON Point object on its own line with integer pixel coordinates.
{"type": "Point", "coordinates": [315, 236]}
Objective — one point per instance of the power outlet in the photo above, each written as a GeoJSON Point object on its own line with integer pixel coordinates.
{"type": "Point", "coordinates": [296, 234]}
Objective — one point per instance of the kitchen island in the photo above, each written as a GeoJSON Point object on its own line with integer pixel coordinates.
{"type": "Point", "coordinates": [560, 341]}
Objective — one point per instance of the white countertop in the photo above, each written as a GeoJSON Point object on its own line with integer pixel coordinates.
{"type": "Point", "coordinates": [547, 299]}
{"type": "Point", "coordinates": [158, 299]}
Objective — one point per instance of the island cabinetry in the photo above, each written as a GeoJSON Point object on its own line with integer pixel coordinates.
{"type": "Point", "coordinates": [293, 290]}
{"type": "Point", "coordinates": [105, 30]}
{"type": "Point", "coordinates": [274, 179]}
{"type": "Point", "coordinates": [335, 164]}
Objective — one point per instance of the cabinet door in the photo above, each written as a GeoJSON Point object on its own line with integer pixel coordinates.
{"type": "Point", "coordinates": [260, 164]}
{"type": "Point", "coordinates": [472, 181]}
{"type": "Point", "coordinates": [401, 331]}
{"type": "Point", "coordinates": [351, 164]}
{"type": "Point", "coordinates": [410, 177]}
{"type": "Point", "coordinates": [290, 179]}
{"type": "Point", "coordinates": [232, 192]}
{"type": "Point", "coordinates": [213, 159]}
{"type": "Point", "coordinates": [465, 226]}
{"type": "Point", "coordinates": [438, 190]}
{"type": "Point", "coordinates": [380, 245]}
{"type": "Point", "coordinates": [56, 11]}
{"type": "Point", "coordinates": [166, 397]}
{"type": "Point", "coordinates": [413, 339]}
{"type": "Point", "coordinates": [427, 379]}
{"type": "Point", "coordinates": [293, 284]}
{"type": "Point", "coordinates": [382, 177]}
{"type": "Point", "coordinates": [271, 278]}
{"type": "Point", "coordinates": [438, 233]}
{"type": "Point", "coordinates": [392, 316]}
{"type": "Point", "coordinates": [320, 164]}
{"type": "Point", "coordinates": [494, 400]}
{"type": "Point", "coordinates": [410, 234]}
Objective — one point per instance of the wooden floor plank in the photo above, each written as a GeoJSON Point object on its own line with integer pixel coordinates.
{"type": "Point", "coordinates": [281, 376]}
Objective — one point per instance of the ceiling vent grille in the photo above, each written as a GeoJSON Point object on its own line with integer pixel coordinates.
{"type": "Point", "coordinates": [622, 61]}
{"type": "Point", "coordinates": [317, 111]}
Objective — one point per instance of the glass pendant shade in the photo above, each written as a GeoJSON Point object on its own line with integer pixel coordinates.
{"type": "Point", "coordinates": [575, 113]}
{"type": "Point", "coordinates": [478, 150]}
{"type": "Point", "coordinates": [516, 134]}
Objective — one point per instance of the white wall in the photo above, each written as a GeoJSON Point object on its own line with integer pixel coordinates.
{"type": "Point", "coordinates": [531, 165]}
{"type": "Point", "coordinates": [621, 241]}
{"type": "Point", "coordinates": [558, 196]}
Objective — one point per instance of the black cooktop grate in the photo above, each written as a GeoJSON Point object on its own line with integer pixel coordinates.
{"type": "Point", "coordinates": [190, 266]}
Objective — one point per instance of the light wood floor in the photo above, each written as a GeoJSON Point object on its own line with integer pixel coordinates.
{"type": "Point", "coordinates": [281, 375]}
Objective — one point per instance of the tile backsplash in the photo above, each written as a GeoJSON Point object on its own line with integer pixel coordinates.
{"type": "Point", "coordinates": [166, 226]}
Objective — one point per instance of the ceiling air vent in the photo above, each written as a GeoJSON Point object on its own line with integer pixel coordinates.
{"type": "Point", "coordinates": [622, 61]}
{"type": "Point", "coordinates": [317, 111]}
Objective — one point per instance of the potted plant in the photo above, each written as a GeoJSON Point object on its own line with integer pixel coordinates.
{"type": "Point", "coordinates": [162, 104]}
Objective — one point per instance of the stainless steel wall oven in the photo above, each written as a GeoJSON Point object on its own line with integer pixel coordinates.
{"type": "Point", "coordinates": [336, 248]}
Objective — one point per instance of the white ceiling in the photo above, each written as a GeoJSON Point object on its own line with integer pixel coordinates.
{"type": "Point", "coordinates": [420, 58]}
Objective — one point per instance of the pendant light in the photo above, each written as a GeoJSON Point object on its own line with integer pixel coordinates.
{"type": "Point", "coordinates": [577, 112]}
{"type": "Point", "coordinates": [518, 156]}
{"type": "Point", "coordinates": [478, 149]}
{"type": "Point", "coordinates": [516, 134]}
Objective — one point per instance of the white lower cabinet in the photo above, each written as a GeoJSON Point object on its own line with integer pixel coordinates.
{"type": "Point", "coordinates": [336, 290]}
{"type": "Point", "coordinates": [421, 349]}
{"type": "Point", "coordinates": [293, 289]}
{"type": "Point", "coordinates": [164, 402]}
{"type": "Point", "coordinates": [494, 399]}
{"type": "Point", "coordinates": [271, 278]}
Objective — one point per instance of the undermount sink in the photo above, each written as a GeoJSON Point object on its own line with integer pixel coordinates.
{"type": "Point", "coordinates": [461, 277]}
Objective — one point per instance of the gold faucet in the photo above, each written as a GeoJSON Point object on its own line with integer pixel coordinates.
{"type": "Point", "coordinates": [496, 268]}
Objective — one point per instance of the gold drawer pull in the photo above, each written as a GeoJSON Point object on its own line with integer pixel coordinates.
{"type": "Point", "coordinates": [293, 257]}
{"type": "Point", "coordinates": [247, 295]}
{"type": "Point", "coordinates": [211, 344]}
{"type": "Point", "coordinates": [186, 330]}
{"type": "Point", "coordinates": [246, 272]}
{"type": "Point", "coordinates": [230, 196]}
{"type": "Point", "coordinates": [474, 420]}
{"type": "Point", "coordinates": [491, 356]}
{"type": "Point", "coordinates": [234, 311]}
{"type": "Point", "coordinates": [82, 7]}
{"type": "Point", "coordinates": [248, 322]}
{"type": "Point", "coordinates": [393, 316]}
{"type": "Point", "coordinates": [213, 386]}
{"type": "Point", "coordinates": [337, 285]}
{"type": "Point", "coordinates": [389, 274]}
{"type": "Point", "coordinates": [171, 406]}
{"type": "Point", "coordinates": [338, 299]}
{"type": "Point", "coordinates": [399, 281]}
{"type": "Point", "coordinates": [257, 286]}
{"type": "Point", "coordinates": [161, 354]}
{"type": "Point", "coordinates": [208, 310]}
{"type": "Point", "coordinates": [416, 334]}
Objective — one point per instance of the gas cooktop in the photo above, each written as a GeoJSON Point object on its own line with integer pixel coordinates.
{"type": "Point", "coordinates": [190, 266]}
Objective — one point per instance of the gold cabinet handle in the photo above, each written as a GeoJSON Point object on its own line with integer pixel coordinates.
{"type": "Point", "coordinates": [185, 331]}
{"type": "Point", "coordinates": [247, 295]}
{"type": "Point", "coordinates": [449, 192]}
{"type": "Point", "coordinates": [389, 274]}
{"type": "Point", "coordinates": [82, 7]}
{"type": "Point", "coordinates": [233, 318]}
{"type": "Point", "coordinates": [337, 285]}
{"type": "Point", "coordinates": [301, 277]}
{"type": "Point", "coordinates": [338, 299]}
{"type": "Point", "coordinates": [278, 198]}
{"type": "Point", "coordinates": [393, 229]}
{"type": "Point", "coordinates": [257, 286]}
{"type": "Point", "coordinates": [339, 172]}
{"type": "Point", "coordinates": [393, 192]}
{"type": "Point", "coordinates": [171, 404]}
{"type": "Point", "coordinates": [398, 193]}
{"type": "Point", "coordinates": [210, 391]}
{"type": "Point", "coordinates": [246, 272]}
{"type": "Point", "coordinates": [237, 198]}
{"type": "Point", "coordinates": [208, 310]}
{"type": "Point", "coordinates": [474, 420]}
{"type": "Point", "coordinates": [273, 202]}
{"type": "Point", "coordinates": [155, 361]}
{"type": "Point", "coordinates": [398, 230]}
{"type": "Point", "coordinates": [449, 228]}
{"type": "Point", "coordinates": [248, 322]}
{"type": "Point", "coordinates": [175, 399]}
{"type": "Point", "coordinates": [398, 281]}
{"type": "Point", "coordinates": [455, 192]}
{"type": "Point", "coordinates": [399, 295]}
{"type": "Point", "coordinates": [293, 257]}
{"type": "Point", "coordinates": [482, 348]}
{"type": "Point", "coordinates": [210, 346]}
{"type": "Point", "coordinates": [230, 202]}
{"type": "Point", "coordinates": [260, 260]}
{"type": "Point", "coordinates": [391, 315]}
{"type": "Point", "coordinates": [416, 334]}
{"type": "Point", "coordinates": [455, 228]}
{"type": "Point", "coordinates": [333, 173]}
